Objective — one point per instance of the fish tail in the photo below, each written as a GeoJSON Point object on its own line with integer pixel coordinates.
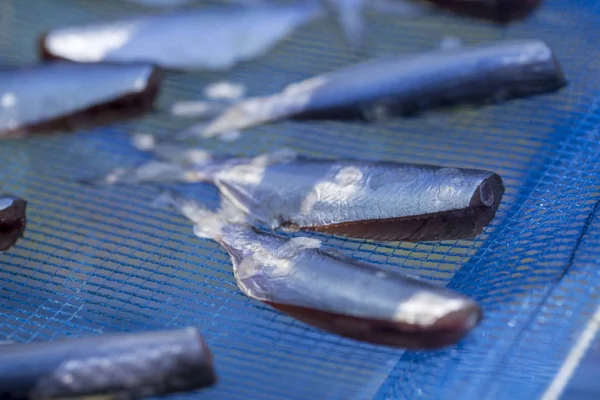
{"type": "Point", "coordinates": [247, 114]}
{"type": "Point", "coordinates": [207, 224]}
{"type": "Point", "coordinates": [232, 119]}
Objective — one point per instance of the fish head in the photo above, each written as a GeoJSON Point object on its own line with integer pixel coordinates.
{"type": "Point", "coordinates": [530, 67]}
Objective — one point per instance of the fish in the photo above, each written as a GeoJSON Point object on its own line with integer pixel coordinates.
{"type": "Point", "coordinates": [375, 200]}
{"type": "Point", "coordinates": [66, 96]}
{"type": "Point", "coordinates": [13, 220]}
{"type": "Point", "coordinates": [117, 365]}
{"type": "Point", "coordinates": [330, 291]}
{"type": "Point", "coordinates": [380, 89]}
{"type": "Point", "coordinates": [212, 38]}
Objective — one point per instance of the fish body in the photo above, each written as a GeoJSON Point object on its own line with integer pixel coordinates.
{"type": "Point", "coordinates": [130, 365]}
{"type": "Point", "coordinates": [362, 199]}
{"type": "Point", "coordinates": [334, 292]}
{"type": "Point", "coordinates": [353, 198]}
{"type": "Point", "coordinates": [379, 89]}
{"type": "Point", "coordinates": [210, 38]}
{"type": "Point", "coordinates": [67, 96]}
{"type": "Point", "coordinates": [13, 220]}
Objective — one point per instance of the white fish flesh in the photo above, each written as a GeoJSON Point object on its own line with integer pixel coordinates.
{"type": "Point", "coordinates": [333, 292]}
{"type": "Point", "coordinates": [361, 199]}
{"type": "Point", "coordinates": [208, 38]}
{"type": "Point", "coordinates": [379, 89]}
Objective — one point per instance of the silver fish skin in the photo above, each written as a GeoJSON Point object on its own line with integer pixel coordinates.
{"type": "Point", "coordinates": [208, 38]}
{"type": "Point", "coordinates": [379, 89]}
{"type": "Point", "coordinates": [114, 366]}
{"type": "Point", "coordinates": [363, 199]}
{"type": "Point", "coordinates": [374, 200]}
{"type": "Point", "coordinates": [331, 291]}
{"type": "Point", "coordinates": [65, 95]}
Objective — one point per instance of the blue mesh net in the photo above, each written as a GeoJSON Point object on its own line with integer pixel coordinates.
{"type": "Point", "coordinates": [104, 260]}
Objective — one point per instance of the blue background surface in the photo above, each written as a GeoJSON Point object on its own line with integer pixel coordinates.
{"type": "Point", "coordinates": [104, 260]}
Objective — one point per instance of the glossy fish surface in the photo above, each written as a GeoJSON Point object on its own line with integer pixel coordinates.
{"type": "Point", "coordinates": [67, 96]}
{"type": "Point", "coordinates": [335, 293]}
{"type": "Point", "coordinates": [379, 89]}
{"type": "Point", "coordinates": [353, 198]}
{"type": "Point", "coordinates": [119, 365]}
{"type": "Point", "coordinates": [209, 38]}
{"type": "Point", "coordinates": [13, 220]}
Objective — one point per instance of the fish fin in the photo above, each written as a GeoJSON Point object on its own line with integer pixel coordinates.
{"type": "Point", "coordinates": [295, 245]}
{"type": "Point", "coordinates": [153, 171]}
{"type": "Point", "coordinates": [350, 18]}
{"type": "Point", "coordinates": [208, 224]}
{"type": "Point", "coordinates": [245, 114]}
{"type": "Point", "coordinates": [231, 119]}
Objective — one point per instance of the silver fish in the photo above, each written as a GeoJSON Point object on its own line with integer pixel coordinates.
{"type": "Point", "coordinates": [118, 366]}
{"type": "Point", "coordinates": [360, 199]}
{"type": "Point", "coordinates": [210, 38]}
{"type": "Point", "coordinates": [328, 290]}
{"type": "Point", "coordinates": [66, 96]}
{"type": "Point", "coordinates": [379, 89]}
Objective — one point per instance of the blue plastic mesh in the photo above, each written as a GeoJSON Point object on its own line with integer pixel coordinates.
{"type": "Point", "coordinates": [104, 260]}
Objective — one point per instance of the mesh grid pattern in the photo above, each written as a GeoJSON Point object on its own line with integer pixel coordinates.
{"type": "Point", "coordinates": [103, 260]}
